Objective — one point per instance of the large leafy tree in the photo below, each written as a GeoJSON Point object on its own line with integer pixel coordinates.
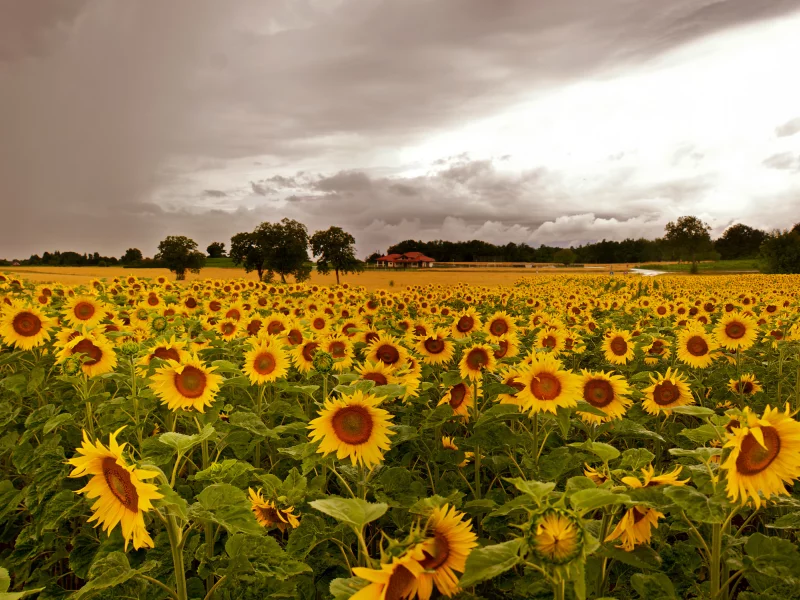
{"type": "Point", "coordinates": [740, 241]}
{"type": "Point", "coordinates": [131, 255]}
{"type": "Point", "coordinates": [780, 252]}
{"type": "Point", "coordinates": [565, 256]}
{"type": "Point", "coordinates": [216, 250]}
{"type": "Point", "coordinates": [272, 248]}
{"type": "Point", "coordinates": [179, 254]}
{"type": "Point", "coordinates": [336, 251]}
{"type": "Point", "coordinates": [689, 237]}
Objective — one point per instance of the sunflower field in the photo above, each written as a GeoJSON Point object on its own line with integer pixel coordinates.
{"type": "Point", "coordinates": [578, 436]}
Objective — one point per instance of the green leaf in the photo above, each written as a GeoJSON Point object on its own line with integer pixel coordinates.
{"type": "Point", "coordinates": [389, 391]}
{"type": "Point", "coordinates": [498, 412]}
{"type": "Point", "coordinates": [790, 521]}
{"type": "Point", "coordinates": [642, 557]}
{"type": "Point", "coordinates": [697, 506]}
{"type": "Point", "coordinates": [694, 411]}
{"type": "Point", "coordinates": [585, 407]}
{"type": "Point", "coordinates": [701, 454]}
{"type": "Point", "coordinates": [636, 458]}
{"type": "Point", "coordinates": [174, 504]}
{"type": "Point", "coordinates": [606, 452]}
{"type": "Point", "coordinates": [352, 511]}
{"type": "Point", "coordinates": [342, 589]}
{"type": "Point", "coordinates": [700, 435]}
{"type": "Point", "coordinates": [535, 489]}
{"type": "Point", "coordinates": [228, 471]}
{"type": "Point", "coordinates": [250, 422]}
{"type": "Point", "coordinates": [110, 571]}
{"type": "Point", "coordinates": [56, 422]}
{"type": "Point", "coordinates": [628, 428]}
{"type": "Point", "coordinates": [225, 366]}
{"type": "Point", "coordinates": [183, 443]}
{"type": "Point", "coordinates": [654, 586]}
{"type": "Point", "coordinates": [228, 506]}
{"type": "Point", "coordinates": [36, 378]}
{"type": "Point", "coordinates": [490, 561]}
{"type": "Point", "coordinates": [587, 500]}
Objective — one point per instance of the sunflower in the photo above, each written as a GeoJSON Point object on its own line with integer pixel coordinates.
{"type": "Point", "coordinates": [97, 353]}
{"type": "Point", "coordinates": [510, 377]}
{"type": "Point", "coordinates": [548, 386]}
{"type": "Point", "coordinates": [617, 346]}
{"type": "Point", "coordinates": [595, 475]}
{"type": "Point", "coordinates": [695, 347]}
{"type": "Point", "coordinates": [24, 327]}
{"type": "Point", "coordinates": [765, 455]}
{"type": "Point", "coordinates": [652, 480]}
{"type": "Point", "coordinates": [446, 550]}
{"type": "Point", "coordinates": [460, 398]}
{"type": "Point", "coordinates": [666, 392]}
{"type": "Point", "coordinates": [558, 538]}
{"type": "Point", "coordinates": [268, 514]}
{"type": "Point", "coordinates": [550, 340]}
{"type": "Point", "coordinates": [388, 350]}
{"type": "Point", "coordinates": [354, 427]}
{"type": "Point", "coordinates": [393, 581]}
{"type": "Point", "coordinates": [122, 496]}
{"type": "Point", "coordinates": [234, 311]}
{"type": "Point", "coordinates": [606, 392]}
{"type": "Point", "coordinates": [746, 385]}
{"type": "Point", "coordinates": [507, 347]}
{"type": "Point", "coordinates": [657, 351]}
{"type": "Point", "coordinates": [276, 323]}
{"type": "Point", "coordinates": [475, 360]}
{"type": "Point", "coordinates": [84, 310]}
{"type": "Point", "coordinates": [186, 385]}
{"type": "Point", "coordinates": [164, 350]}
{"type": "Point", "coordinates": [736, 330]}
{"type": "Point", "coordinates": [265, 362]}
{"type": "Point", "coordinates": [449, 444]}
{"type": "Point", "coordinates": [465, 323]}
{"type": "Point", "coordinates": [303, 355]}
{"type": "Point", "coordinates": [635, 527]}
{"type": "Point", "coordinates": [319, 323]}
{"type": "Point", "coordinates": [377, 372]}
{"type": "Point", "coordinates": [499, 324]}
{"type": "Point", "coordinates": [341, 349]}
{"type": "Point", "coordinates": [436, 349]}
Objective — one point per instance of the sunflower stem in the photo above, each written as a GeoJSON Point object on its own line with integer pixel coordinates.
{"type": "Point", "coordinates": [174, 534]}
{"type": "Point", "coordinates": [259, 401]}
{"type": "Point", "coordinates": [558, 589]}
{"type": "Point", "coordinates": [600, 583]}
{"type": "Point", "coordinates": [135, 398]}
{"type": "Point", "coordinates": [476, 415]}
{"type": "Point", "coordinates": [208, 527]}
{"type": "Point", "coordinates": [716, 555]}
{"type": "Point", "coordinates": [536, 439]}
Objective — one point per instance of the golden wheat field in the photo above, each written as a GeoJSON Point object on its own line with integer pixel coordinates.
{"type": "Point", "coordinates": [487, 435]}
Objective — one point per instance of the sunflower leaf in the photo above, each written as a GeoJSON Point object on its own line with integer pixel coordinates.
{"type": "Point", "coordinates": [490, 561]}
{"type": "Point", "coordinates": [352, 511]}
{"type": "Point", "coordinates": [698, 506]}
{"type": "Point", "coordinates": [182, 442]}
{"type": "Point", "coordinates": [694, 411]}
{"type": "Point", "coordinates": [587, 500]}
{"type": "Point", "coordinates": [606, 452]}
{"type": "Point", "coordinates": [535, 489]}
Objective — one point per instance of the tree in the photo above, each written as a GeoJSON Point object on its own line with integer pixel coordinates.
{"type": "Point", "coordinates": [689, 237]}
{"type": "Point", "coordinates": [280, 248]}
{"type": "Point", "coordinates": [336, 250]}
{"type": "Point", "coordinates": [372, 258]}
{"type": "Point", "coordinates": [179, 254]}
{"type": "Point", "coordinates": [216, 250]}
{"type": "Point", "coordinates": [565, 256]}
{"type": "Point", "coordinates": [132, 255]}
{"type": "Point", "coordinates": [796, 228]}
{"type": "Point", "coordinates": [780, 252]}
{"type": "Point", "coordinates": [740, 241]}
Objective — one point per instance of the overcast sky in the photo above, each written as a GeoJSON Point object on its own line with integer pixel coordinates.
{"type": "Point", "coordinates": [556, 122]}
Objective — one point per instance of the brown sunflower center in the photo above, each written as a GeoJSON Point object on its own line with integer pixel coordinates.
{"type": "Point", "coordinates": [498, 327]}
{"type": "Point", "coordinates": [420, 330]}
{"type": "Point", "coordinates": [275, 327]}
{"type": "Point", "coordinates": [697, 346]}
{"type": "Point", "coordinates": [619, 346]}
{"type": "Point", "coordinates": [120, 484]}
{"type": "Point", "coordinates": [477, 359]}
{"type": "Point", "coordinates": [83, 311]}
{"type": "Point", "coordinates": [458, 394]}
{"type": "Point", "coordinates": [191, 382]}
{"type": "Point", "coordinates": [337, 349]}
{"type": "Point", "coordinates": [745, 387]}
{"type": "Point", "coordinates": [264, 363]}
{"type": "Point", "coordinates": [753, 457]}
{"type": "Point", "coordinates": [26, 324]}
{"type": "Point", "coordinates": [657, 348]}
{"type": "Point", "coordinates": [309, 349]}
{"type": "Point", "coordinates": [165, 354]}
{"type": "Point", "coordinates": [638, 515]}
{"type": "Point", "coordinates": [503, 349]}
{"type": "Point", "coordinates": [152, 300]}
{"type": "Point", "coordinates": [215, 305]}
{"type": "Point", "coordinates": [465, 324]}
{"type": "Point", "coordinates": [662, 310]}
{"type": "Point", "coordinates": [436, 554]}
{"type": "Point", "coordinates": [190, 303]}
{"type": "Point", "coordinates": [42, 299]}
{"type": "Point", "coordinates": [295, 337]}
{"type": "Point", "coordinates": [735, 330]}
{"type": "Point", "coordinates": [89, 349]}
{"type": "Point", "coordinates": [319, 323]}
{"type": "Point", "coordinates": [254, 326]}
{"type": "Point", "coordinates": [545, 386]}
{"type": "Point", "coordinates": [388, 354]}
{"type": "Point", "coordinates": [598, 393]}
{"type": "Point", "coordinates": [352, 424]}
{"type": "Point", "coordinates": [666, 393]}
{"type": "Point", "coordinates": [370, 337]}
{"type": "Point", "coordinates": [228, 328]}
{"type": "Point", "coordinates": [434, 345]}
{"type": "Point", "coordinates": [378, 378]}
{"type": "Point", "coordinates": [399, 584]}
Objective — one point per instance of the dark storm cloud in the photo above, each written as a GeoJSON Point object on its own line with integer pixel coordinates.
{"type": "Point", "coordinates": [107, 105]}
{"type": "Point", "coordinates": [789, 128]}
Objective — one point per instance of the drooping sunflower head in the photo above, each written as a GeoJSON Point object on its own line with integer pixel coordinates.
{"type": "Point", "coordinates": [24, 327]}
{"type": "Point", "coordinates": [618, 347]}
{"type": "Point", "coordinates": [547, 385]}
{"type": "Point", "coordinates": [765, 455]}
{"type": "Point", "coordinates": [395, 580]}
{"type": "Point", "coordinates": [695, 347]}
{"type": "Point", "coordinates": [122, 496]}
{"type": "Point", "coordinates": [265, 362]}
{"type": "Point", "coordinates": [635, 527]}
{"type": "Point", "coordinates": [186, 385]}
{"type": "Point", "coordinates": [475, 360]}
{"type": "Point", "coordinates": [353, 427]}
{"type": "Point", "coordinates": [557, 537]}
{"type": "Point", "coordinates": [666, 392]}
{"type": "Point", "coordinates": [607, 393]}
{"type": "Point", "coordinates": [269, 515]}
{"type": "Point", "coordinates": [650, 479]}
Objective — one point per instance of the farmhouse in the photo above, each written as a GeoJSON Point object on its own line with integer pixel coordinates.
{"type": "Point", "coordinates": [408, 259]}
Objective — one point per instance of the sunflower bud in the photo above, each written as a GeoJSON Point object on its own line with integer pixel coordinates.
{"type": "Point", "coordinates": [323, 362]}
{"type": "Point", "coordinates": [159, 324]}
{"type": "Point", "coordinates": [556, 537]}
{"type": "Point", "coordinates": [71, 366]}
{"type": "Point", "coordinates": [129, 348]}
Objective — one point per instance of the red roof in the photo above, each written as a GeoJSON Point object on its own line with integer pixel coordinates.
{"type": "Point", "coordinates": [406, 258]}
